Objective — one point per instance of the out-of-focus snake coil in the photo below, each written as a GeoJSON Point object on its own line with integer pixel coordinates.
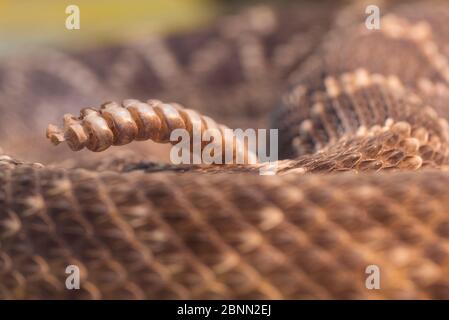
{"type": "Point", "coordinates": [363, 180]}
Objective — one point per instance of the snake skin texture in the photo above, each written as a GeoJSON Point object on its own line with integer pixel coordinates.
{"type": "Point", "coordinates": [363, 180]}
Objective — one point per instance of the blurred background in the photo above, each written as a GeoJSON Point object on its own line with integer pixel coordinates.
{"type": "Point", "coordinates": [226, 59]}
{"type": "Point", "coordinates": [103, 21]}
{"type": "Point", "coordinates": [42, 22]}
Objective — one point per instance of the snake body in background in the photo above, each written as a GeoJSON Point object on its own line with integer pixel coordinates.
{"type": "Point", "coordinates": [371, 103]}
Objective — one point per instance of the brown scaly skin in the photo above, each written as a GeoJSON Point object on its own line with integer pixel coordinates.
{"type": "Point", "coordinates": [191, 235]}
{"type": "Point", "coordinates": [410, 46]}
{"type": "Point", "coordinates": [309, 232]}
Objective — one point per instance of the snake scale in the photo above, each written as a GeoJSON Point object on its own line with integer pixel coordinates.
{"type": "Point", "coordinates": [362, 180]}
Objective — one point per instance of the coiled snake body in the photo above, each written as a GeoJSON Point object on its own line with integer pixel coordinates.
{"type": "Point", "coordinates": [363, 132]}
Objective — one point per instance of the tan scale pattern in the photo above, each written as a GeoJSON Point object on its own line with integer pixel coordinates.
{"type": "Point", "coordinates": [144, 230]}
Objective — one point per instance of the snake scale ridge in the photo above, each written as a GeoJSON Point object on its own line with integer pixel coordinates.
{"type": "Point", "coordinates": [362, 180]}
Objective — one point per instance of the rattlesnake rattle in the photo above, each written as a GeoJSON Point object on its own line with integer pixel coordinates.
{"type": "Point", "coordinates": [143, 231]}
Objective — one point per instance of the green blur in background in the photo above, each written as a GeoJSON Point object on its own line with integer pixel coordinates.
{"type": "Point", "coordinates": [42, 22]}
